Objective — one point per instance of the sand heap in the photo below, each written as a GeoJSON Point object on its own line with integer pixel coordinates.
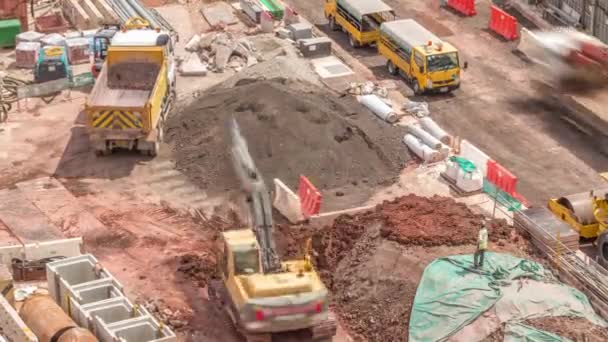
{"type": "Point", "coordinates": [292, 128]}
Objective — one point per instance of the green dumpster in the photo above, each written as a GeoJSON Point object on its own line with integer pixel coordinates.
{"type": "Point", "coordinates": [9, 29]}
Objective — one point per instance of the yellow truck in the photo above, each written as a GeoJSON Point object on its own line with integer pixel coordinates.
{"type": "Point", "coordinates": [360, 19]}
{"type": "Point", "coordinates": [133, 93]}
{"type": "Point", "coordinates": [426, 62]}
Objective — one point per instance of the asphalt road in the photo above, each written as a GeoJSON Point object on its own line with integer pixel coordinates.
{"type": "Point", "coordinates": [497, 107]}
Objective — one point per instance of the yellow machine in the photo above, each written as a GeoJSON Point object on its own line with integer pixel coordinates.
{"type": "Point", "coordinates": [260, 293]}
{"type": "Point", "coordinates": [134, 91]}
{"type": "Point", "coordinates": [360, 19]}
{"type": "Point", "coordinates": [429, 64]}
{"type": "Point", "coordinates": [587, 213]}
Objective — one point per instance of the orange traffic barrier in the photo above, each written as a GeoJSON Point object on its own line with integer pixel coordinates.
{"type": "Point", "coordinates": [503, 23]}
{"type": "Point", "coordinates": [501, 177]}
{"type": "Point", "coordinates": [310, 197]}
{"type": "Point", "coordinates": [464, 7]}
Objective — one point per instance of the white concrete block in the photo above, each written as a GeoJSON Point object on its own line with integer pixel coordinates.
{"type": "Point", "coordinates": [287, 202]}
{"type": "Point", "coordinates": [475, 155]}
{"type": "Point", "coordinates": [65, 247]}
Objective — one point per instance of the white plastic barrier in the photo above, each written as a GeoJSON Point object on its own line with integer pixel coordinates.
{"type": "Point", "coordinates": [287, 202]}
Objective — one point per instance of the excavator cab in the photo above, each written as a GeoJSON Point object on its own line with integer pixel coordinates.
{"type": "Point", "coordinates": [241, 254]}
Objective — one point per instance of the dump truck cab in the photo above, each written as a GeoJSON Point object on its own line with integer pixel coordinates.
{"type": "Point", "coordinates": [290, 299]}
{"type": "Point", "coordinates": [426, 62]}
{"type": "Point", "coordinates": [360, 19]}
{"type": "Point", "coordinates": [133, 92]}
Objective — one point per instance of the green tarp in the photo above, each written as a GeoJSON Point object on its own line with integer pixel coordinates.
{"type": "Point", "coordinates": [452, 294]}
{"type": "Point", "coordinates": [502, 197]}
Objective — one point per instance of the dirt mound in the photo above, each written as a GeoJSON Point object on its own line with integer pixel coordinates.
{"type": "Point", "coordinates": [434, 221]}
{"type": "Point", "coordinates": [372, 262]}
{"type": "Point", "coordinates": [292, 129]}
{"type": "Point", "coordinates": [199, 268]}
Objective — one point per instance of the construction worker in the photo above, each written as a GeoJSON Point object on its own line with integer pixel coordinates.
{"type": "Point", "coordinates": [482, 245]}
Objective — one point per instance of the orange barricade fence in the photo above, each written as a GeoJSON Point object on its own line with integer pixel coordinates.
{"type": "Point", "coordinates": [464, 7]}
{"type": "Point", "coordinates": [503, 24]}
{"type": "Point", "coordinates": [310, 197]}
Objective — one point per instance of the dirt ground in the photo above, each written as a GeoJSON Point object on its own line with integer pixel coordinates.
{"type": "Point", "coordinates": [576, 329]}
{"type": "Point", "coordinates": [303, 131]}
{"type": "Point", "coordinates": [497, 107]}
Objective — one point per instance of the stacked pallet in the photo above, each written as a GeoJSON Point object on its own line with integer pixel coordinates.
{"type": "Point", "coordinates": [545, 228]}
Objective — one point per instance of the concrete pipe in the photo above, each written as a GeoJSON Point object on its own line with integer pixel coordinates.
{"type": "Point", "coordinates": [77, 335]}
{"type": "Point", "coordinates": [433, 128]}
{"type": "Point", "coordinates": [420, 149]}
{"type": "Point", "coordinates": [378, 107]}
{"type": "Point", "coordinates": [425, 136]}
{"type": "Point", "coordinates": [48, 322]}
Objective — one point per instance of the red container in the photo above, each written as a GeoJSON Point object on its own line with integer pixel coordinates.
{"type": "Point", "coordinates": [53, 23]}
{"type": "Point", "coordinates": [78, 50]}
{"type": "Point", "coordinates": [26, 54]}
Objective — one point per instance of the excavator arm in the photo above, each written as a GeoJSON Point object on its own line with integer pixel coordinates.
{"type": "Point", "coordinates": [258, 198]}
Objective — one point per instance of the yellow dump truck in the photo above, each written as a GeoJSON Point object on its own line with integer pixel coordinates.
{"type": "Point", "coordinates": [360, 19]}
{"type": "Point", "coordinates": [133, 93]}
{"type": "Point", "coordinates": [426, 62]}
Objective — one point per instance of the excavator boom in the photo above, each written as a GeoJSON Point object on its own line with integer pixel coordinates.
{"type": "Point", "coordinates": [258, 197]}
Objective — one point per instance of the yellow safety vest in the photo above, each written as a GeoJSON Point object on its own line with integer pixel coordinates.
{"type": "Point", "coordinates": [482, 240]}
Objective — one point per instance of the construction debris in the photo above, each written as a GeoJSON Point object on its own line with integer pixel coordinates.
{"type": "Point", "coordinates": [217, 51]}
{"type": "Point", "coordinates": [367, 88]}
{"type": "Point", "coordinates": [418, 109]}
{"type": "Point", "coordinates": [193, 66]}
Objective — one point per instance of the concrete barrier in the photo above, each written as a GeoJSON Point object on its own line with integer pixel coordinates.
{"type": "Point", "coordinates": [475, 155]}
{"type": "Point", "coordinates": [140, 329]}
{"type": "Point", "coordinates": [287, 202]}
{"type": "Point", "coordinates": [95, 300]}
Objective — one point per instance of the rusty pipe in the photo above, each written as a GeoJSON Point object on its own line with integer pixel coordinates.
{"type": "Point", "coordinates": [49, 323]}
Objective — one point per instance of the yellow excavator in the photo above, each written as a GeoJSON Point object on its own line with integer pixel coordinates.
{"type": "Point", "coordinates": [261, 294]}
{"type": "Point", "coordinates": [587, 213]}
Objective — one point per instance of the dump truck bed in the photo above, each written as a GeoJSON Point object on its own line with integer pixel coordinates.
{"type": "Point", "coordinates": [103, 96]}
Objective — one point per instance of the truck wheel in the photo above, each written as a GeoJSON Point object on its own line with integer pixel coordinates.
{"type": "Point", "coordinates": [602, 249]}
{"type": "Point", "coordinates": [332, 24]}
{"type": "Point", "coordinates": [416, 87]}
{"type": "Point", "coordinates": [392, 69]}
{"type": "Point", "coordinates": [353, 42]}
{"type": "Point", "coordinates": [153, 151]}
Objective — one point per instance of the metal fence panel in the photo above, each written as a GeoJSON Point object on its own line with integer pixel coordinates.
{"type": "Point", "coordinates": [600, 28]}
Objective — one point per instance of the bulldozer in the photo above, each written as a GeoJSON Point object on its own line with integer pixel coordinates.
{"type": "Point", "coordinates": [587, 213]}
{"type": "Point", "coordinates": [261, 294]}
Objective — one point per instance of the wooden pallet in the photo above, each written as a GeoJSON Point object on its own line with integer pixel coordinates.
{"type": "Point", "coordinates": [459, 192]}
